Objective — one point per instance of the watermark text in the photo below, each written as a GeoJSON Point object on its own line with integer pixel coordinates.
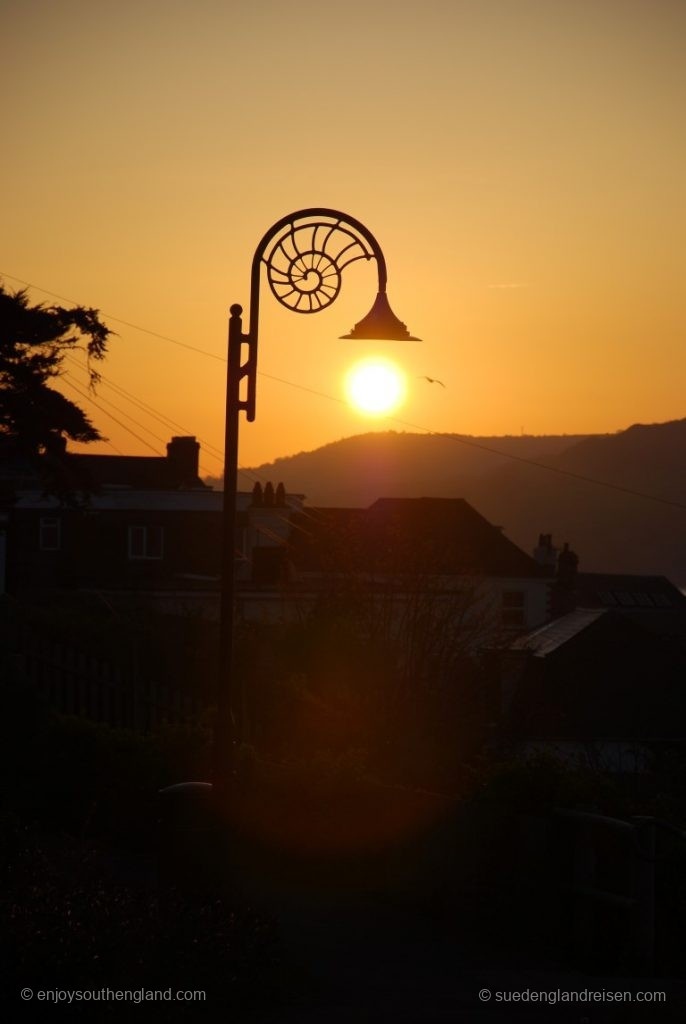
{"type": "Point", "coordinates": [557, 995]}
{"type": "Point", "coordinates": [113, 995]}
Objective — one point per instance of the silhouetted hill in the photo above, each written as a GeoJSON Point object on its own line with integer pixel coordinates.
{"type": "Point", "coordinates": [358, 470]}
{"type": "Point", "coordinates": [611, 530]}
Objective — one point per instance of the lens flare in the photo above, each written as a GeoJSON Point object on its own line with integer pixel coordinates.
{"type": "Point", "coordinates": [375, 386]}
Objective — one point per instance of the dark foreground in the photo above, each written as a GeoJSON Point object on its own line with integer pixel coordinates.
{"type": "Point", "coordinates": [314, 899]}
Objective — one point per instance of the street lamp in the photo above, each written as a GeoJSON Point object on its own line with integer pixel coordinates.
{"type": "Point", "coordinates": [304, 255]}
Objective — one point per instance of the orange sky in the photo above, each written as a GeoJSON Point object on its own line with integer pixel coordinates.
{"type": "Point", "coordinates": [521, 162]}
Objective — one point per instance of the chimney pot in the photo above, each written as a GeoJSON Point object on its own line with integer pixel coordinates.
{"type": "Point", "coordinates": [182, 456]}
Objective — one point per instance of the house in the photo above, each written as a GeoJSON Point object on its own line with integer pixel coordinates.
{"type": "Point", "coordinates": [151, 531]}
{"type": "Point", "coordinates": [598, 686]}
{"type": "Point", "coordinates": [132, 525]}
{"type": "Point", "coordinates": [411, 541]}
{"type": "Point", "coordinates": [145, 522]}
{"type": "Point", "coordinates": [573, 589]}
{"type": "Point", "coordinates": [602, 682]}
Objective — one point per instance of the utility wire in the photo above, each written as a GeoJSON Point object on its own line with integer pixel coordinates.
{"type": "Point", "coordinates": [88, 398]}
{"type": "Point", "coordinates": [413, 426]}
{"type": "Point", "coordinates": [69, 375]}
{"type": "Point", "coordinates": [173, 341]}
{"type": "Point", "coordinates": [543, 465]}
{"type": "Point", "coordinates": [151, 411]}
{"type": "Point", "coordinates": [154, 413]}
{"type": "Point", "coordinates": [251, 474]}
{"type": "Point", "coordinates": [117, 320]}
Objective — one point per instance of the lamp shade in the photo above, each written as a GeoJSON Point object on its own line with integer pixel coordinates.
{"type": "Point", "coordinates": [381, 324]}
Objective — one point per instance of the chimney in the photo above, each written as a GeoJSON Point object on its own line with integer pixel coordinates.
{"type": "Point", "coordinates": [544, 552]}
{"type": "Point", "coordinates": [564, 590]}
{"type": "Point", "coordinates": [567, 566]}
{"type": "Point", "coordinates": [182, 458]}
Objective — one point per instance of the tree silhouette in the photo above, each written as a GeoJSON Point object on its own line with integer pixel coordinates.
{"type": "Point", "coordinates": [35, 419]}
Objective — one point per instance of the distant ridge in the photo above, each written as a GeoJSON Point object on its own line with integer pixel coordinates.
{"type": "Point", "coordinates": [610, 531]}
{"type": "Point", "coordinates": [359, 469]}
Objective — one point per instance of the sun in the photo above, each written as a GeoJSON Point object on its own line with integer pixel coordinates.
{"type": "Point", "coordinates": [375, 386]}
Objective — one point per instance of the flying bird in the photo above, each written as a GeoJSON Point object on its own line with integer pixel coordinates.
{"type": "Point", "coordinates": [432, 380]}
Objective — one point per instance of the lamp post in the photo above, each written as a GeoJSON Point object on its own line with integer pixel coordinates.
{"type": "Point", "coordinates": [304, 255]}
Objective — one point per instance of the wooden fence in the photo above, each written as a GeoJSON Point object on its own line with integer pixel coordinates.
{"type": "Point", "coordinates": [594, 878]}
{"type": "Point", "coordinates": [111, 690]}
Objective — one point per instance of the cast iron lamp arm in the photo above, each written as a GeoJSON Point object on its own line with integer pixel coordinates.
{"type": "Point", "coordinates": [326, 229]}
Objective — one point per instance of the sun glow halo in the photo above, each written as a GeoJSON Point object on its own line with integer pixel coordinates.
{"type": "Point", "coordinates": [375, 386]}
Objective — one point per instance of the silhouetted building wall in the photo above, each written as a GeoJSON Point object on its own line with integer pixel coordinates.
{"type": "Point", "coordinates": [141, 540]}
{"type": "Point", "coordinates": [151, 528]}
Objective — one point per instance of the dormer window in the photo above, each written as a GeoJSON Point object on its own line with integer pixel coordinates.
{"type": "Point", "coordinates": [269, 564]}
{"type": "Point", "coordinates": [146, 542]}
{"type": "Point", "coordinates": [514, 607]}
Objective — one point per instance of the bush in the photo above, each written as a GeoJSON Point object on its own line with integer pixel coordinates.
{"type": "Point", "coordinates": [72, 775]}
{"type": "Point", "coordinates": [81, 920]}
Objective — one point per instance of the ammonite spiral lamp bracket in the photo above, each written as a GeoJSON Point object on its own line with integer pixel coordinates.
{"type": "Point", "coordinates": [304, 254]}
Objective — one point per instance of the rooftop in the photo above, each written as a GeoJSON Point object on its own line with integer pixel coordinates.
{"type": "Point", "coordinates": [620, 590]}
{"type": "Point", "coordinates": [408, 535]}
{"type": "Point", "coordinates": [560, 631]}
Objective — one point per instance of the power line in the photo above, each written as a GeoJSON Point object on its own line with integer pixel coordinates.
{"type": "Point", "coordinates": [88, 398]}
{"type": "Point", "coordinates": [158, 416]}
{"type": "Point", "coordinates": [173, 341]}
{"type": "Point", "coordinates": [114, 448]}
{"type": "Point", "coordinates": [250, 473]}
{"type": "Point", "coordinates": [117, 319]}
{"type": "Point", "coordinates": [426, 430]}
{"type": "Point", "coordinates": [151, 411]}
{"type": "Point", "coordinates": [138, 423]}
{"type": "Point", "coordinates": [542, 465]}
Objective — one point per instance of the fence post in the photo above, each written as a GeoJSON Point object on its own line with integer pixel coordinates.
{"type": "Point", "coordinates": [583, 879]}
{"type": "Point", "coordinates": [136, 710]}
{"type": "Point", "coordinates": [645, 894]}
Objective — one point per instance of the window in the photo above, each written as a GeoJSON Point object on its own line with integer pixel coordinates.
{"type": "Point", "coordinates": [513, 608]}
{"type": "Point", "coordinates": [145, 542]}
{"type": "Point", "coordinates": [268, 564]}
{"type": "Point", "coordinates": [50, 533]}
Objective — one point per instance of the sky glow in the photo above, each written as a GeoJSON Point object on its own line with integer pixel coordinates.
{"type": "Point", "coordinates": [521, 163]}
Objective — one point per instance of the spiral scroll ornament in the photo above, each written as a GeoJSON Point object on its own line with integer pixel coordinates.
{"type": "Point", "coordinates": [305, 263]}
